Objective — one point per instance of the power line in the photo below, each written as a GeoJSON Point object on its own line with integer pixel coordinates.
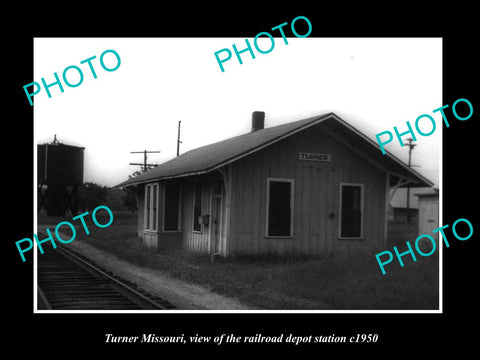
{"type": "Point", "coordinates": [145, 164]}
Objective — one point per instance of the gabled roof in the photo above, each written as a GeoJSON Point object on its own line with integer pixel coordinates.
{"type": "Point", "coordinates": [211, 157]}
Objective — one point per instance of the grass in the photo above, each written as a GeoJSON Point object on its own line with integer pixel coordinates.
{"type": "Point", "coordinates": [337, 280]}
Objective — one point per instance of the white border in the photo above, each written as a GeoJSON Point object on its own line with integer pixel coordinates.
{"type": "Point", "coordinates": [440, 294]}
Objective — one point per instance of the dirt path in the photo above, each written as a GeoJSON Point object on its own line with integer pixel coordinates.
{"type": "Point", "coordinates": [184, 295]}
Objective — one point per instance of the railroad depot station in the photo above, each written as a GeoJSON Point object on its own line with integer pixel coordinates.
{"type": "Point", "coordinates": [304, 187]}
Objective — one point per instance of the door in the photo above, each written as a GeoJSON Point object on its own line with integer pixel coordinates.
{"type": "Point", "coordinates": [216, 223]}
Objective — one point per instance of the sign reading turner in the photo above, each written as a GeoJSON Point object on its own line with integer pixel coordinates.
{"type": "Point", "coordinates": [313, 157]}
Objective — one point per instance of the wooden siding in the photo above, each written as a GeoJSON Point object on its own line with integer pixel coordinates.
{"type": "Point", "coordinates": [186, 238]}
{"type": "Point", "coordinates": [150, 239]}
{"type": "Point", "coordinates": [169, 240]}
{"type": "Point", "coordinates": [316, 196]}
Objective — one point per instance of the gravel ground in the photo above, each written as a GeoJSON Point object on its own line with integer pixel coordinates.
{"type": "Point", "coordinates": [185, 296]}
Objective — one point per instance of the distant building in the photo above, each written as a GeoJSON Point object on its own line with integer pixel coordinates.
{"type": "Point", "coordinates": [428, 213]}
{"type": "Point", "coordinates": [304, 187]}
{"type": "Point", "coordinates": [398, 204]}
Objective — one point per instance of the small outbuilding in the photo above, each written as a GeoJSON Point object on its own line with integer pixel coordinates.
{"type": "Point", "coordinates": [304, 187]}
{"type": "Point", "coordinates": [428, 213]}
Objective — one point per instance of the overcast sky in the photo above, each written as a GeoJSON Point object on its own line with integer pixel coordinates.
{"type": "Point", "coordinates": [373, 84]}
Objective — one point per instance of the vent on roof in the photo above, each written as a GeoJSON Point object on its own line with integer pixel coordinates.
{"type": "Point", "coordinates": [258, 120]}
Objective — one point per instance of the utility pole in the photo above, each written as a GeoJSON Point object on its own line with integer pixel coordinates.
{"type": "Point", "coordinates": [55, 141]}
{"type": "Point", "coordinates": [178, 138]}
{"type": "Point", "coordinates": [144, 165]}
{"type": "Point", "coordinates": [410, 148]}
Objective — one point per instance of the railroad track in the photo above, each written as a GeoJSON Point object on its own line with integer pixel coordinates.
{"type": "Point", "coordinates": [69, 281]}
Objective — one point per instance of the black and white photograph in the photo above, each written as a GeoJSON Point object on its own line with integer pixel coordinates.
{"type": "Point", "coordinates": [240, 190]}
{"type": "Point", "coordinates": [285, 185]}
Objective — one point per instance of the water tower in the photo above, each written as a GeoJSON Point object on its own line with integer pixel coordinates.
{"type": "Point", "coordinates": [59, 174]}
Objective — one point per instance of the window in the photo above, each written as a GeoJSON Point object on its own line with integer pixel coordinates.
{"type": "Point", "coordinates": [351, 210]}
{"type": "Point", "coordinates": [172, 208]}
{"type": "Point", "coordinates": [151, 204]}
{"type": "Point", "coordinates": [279, 207]}
{"type": "Point", "coordinates": [197, 208]}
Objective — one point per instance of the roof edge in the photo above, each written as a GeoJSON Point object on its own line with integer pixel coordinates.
{"type": "Point", "coordinates": [388, 154]}
{"type": "Point", "coordinates": [315, 120]}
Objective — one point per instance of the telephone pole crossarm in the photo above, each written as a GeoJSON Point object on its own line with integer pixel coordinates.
{"type": "Point", "coordinates": [144, 152]}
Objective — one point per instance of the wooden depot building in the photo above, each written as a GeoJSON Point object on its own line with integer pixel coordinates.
{"type": "Point", "coordinates": [304, 187]}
